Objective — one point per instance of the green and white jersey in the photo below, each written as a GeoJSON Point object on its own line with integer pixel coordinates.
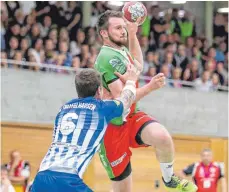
{"type": "Point", "coordinates": [112, 60]}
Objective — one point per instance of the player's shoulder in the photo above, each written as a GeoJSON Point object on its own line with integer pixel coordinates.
{"type": "Point", "coordinates": [218, 164]}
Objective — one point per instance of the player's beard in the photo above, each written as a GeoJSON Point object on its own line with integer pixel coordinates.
{"type": "Point", "coordinates": [118, 43]}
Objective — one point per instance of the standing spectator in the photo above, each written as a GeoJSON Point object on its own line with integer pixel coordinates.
{"type": "Point", "coordinates": [19, 170]}
{"type": "Point", "coordinates": [74, 18]}
{"type": "Point", "coordinates": [12, 6]}
{"type": "Point", "coordinates": [20, 17]}
{"type": "Point", "coordinates": [219, 26]}
{"type": "Point", "coordinates": [206, 173]}
{"type": "Point", "coordinates": [158, 25]}
{"type": "Point", "coordinates": [6, 185]}
{"type": "Point", "coordinates": [174, 23]}
{"type": "Point", "coordinates": [203, 83]}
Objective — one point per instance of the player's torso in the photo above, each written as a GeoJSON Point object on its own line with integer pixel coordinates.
{"type": "Point", "coordinates": [78, 131]}
{"type": "Point", "coordinates": [207, 178]}
{"type": "Point", "coordinates": [117, 60]}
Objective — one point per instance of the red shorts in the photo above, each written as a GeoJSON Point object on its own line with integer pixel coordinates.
{"type": "Point", "coordinates": [115, 150]}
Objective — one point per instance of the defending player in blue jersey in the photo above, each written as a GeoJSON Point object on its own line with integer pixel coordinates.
{"type": "Point", "coordinates": [78, 131]}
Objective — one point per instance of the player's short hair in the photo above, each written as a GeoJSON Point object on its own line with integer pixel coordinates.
{"type": "Point", "coordinates": [206, 150]}
{"type": "Point", "coordinates": [87, 82]}
{"type": "Point", "coordinates": [102, 22]}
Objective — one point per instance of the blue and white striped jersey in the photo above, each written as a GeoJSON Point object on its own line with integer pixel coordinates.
{"type": "Point", "coordinates": [78, 131]}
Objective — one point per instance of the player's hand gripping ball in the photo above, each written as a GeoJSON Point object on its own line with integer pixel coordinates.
{"type": "Point", "coordinates": [134, 10]}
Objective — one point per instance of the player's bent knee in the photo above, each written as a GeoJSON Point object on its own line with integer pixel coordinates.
{"type": "Point", "coordinates": [155, 134]}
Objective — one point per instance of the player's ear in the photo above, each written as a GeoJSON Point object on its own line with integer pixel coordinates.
{"type": "Point", "coordinates": [104, 33]}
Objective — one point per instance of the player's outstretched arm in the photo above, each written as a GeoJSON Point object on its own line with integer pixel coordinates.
{"type": "Point", "coordinates": [134, 46]}
{"type": "Point", "coordinates": [156, 82]}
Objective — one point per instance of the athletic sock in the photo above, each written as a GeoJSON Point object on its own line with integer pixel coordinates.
{"type": "Point", "coordinates": [167, 171]}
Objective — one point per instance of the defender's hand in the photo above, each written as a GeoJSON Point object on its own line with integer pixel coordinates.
{"type": "Point", "coordinates": [157, 81]}
{"type": "Point", "coordinates": [131, 74]}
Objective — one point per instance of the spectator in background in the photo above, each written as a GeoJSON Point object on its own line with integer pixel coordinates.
{"type": "Point", "coordinates": [180, 59]}
{"type": "Point", "coordinates": [166, 71]}
{"type": "Point", "coordinates": [158, 25]}
{"type": "Point", "coordinates": [220, 51]}
{"type": "Point", "coordinates": [206, 173]}
{"type": "Point", "coordinates": [34, 58]}
{"type": "Point", "coordinates": [75, 45]}
{"type": "Point", "coordinates": [195, 70]}
{"type": "Point", "coordinates": [203, 84]}
{"type": "Point", "coordinates": [13, 31]}
{"type": "Point", "coordinates": [144, 43]}
{"type": "Point", "coordinates": [50, 54]}
{"type": "Point", "coordinates": [24, 47]}
{"type": "Point", "coordinates": [168, 62]}
{"type": "Point", "coordinates": [215, 82]}
{"type": "Point", "coordinates": [18, 58]}
{"type": "Point", "coordinates": [148, 62]}
{"type": "Point", "coordinates": [74, 18]}
{"type": "Point", "coordinates": [20, 17]}
{"type": "Point", "coordinates": [35, 34]}
{"type": "Point", "coordinates": [46, 25]}
{"type": "Point", "coordinates": [223, 74]}
{"type": "Point", "coordinates": [93, 56]}
{"type": "Point", "coordinates": [189, 45]}
{"type": "Point", "coordinates": [53, 35]}
{"type": "Point", "coordinates": [12, 7]}
{"type": "Point", "coordinates": [90, 34]}
{"type": "Point", "coordinates": [187, 77]}
{"type": "Point", "coordinates": [19, 170]}
{"type": "Point", "coordinates": [63, 36]}
{"type": "Point", "coordinates": [13, 47]}
{"type": "Point", "coordinates": [6, 185]}
{"type": "Point", "coordinates": [63, 50]}
{"type": "Point", "coordinates": [3, 56]}
{"type": "Point", "coordinates": [196, 54]}
{"type": "Point", "coordinates": [176, 75]}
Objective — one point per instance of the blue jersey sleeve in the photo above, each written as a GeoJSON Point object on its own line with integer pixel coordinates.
{"type": "Point", "coordinates": [112, 109]}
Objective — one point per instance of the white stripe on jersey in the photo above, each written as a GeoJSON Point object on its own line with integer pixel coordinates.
{"type": "Point", "coordinates": [82, 170]}
{"type": "Point", "coordinates": [91, 131]}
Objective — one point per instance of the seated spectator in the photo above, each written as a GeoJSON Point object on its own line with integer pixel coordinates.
{"type": "Point", "coordinates": [20, 17]}
{"type": "Point", "coordinates": [166, 71]}
{"type": "Point", "coordinates": [203, 84]}
{"type": "Point", "coordinates": [53, 35]}
{"type": "Point", "coordinates": [195, 70]}
{"type": "Point", "coordinates": [189, 45]}
{"type": "Point", "coordinates": [46, 25]}
{"type": "Point", "coordinates": [196, 53]}
{"type": "Point", "coordinates": [13, 31]}
{"type": "Point", "coordinates": [211, 58]}
{"type": "Point", "coordinates": [75, 45]}
{"type": "Point", "coordinates": [84, 56]}
{"type": "Point", "coordinates": [35, 33]}
{"type": "Point", "coordinates": [187, 77]}
{"type": "Point", "coordinates": [50, 54]}
{"type": "Point", "coordinates": [19, 171]}
{"type": "Point", "coordinates": [176, 75]}
{"type": "Point", "coordinates": [6, 185]}
{"type": "Point", "coordinates": [144, 43]}
{"type": "Point", "coordinates": [223, 75]}
{"type": "Point", "coordinates": [180, 59]}
{"type": "Point", "coordinates": [34, 58]}
{"type": "Point", "coordinates": [93, 56]}
{"type": "Point", "coordinates": [90, 33]}
{"type": "Point", "coordinates": [63, 36]}
{"type": "Point", "coordinates": [3, 56]}
{"type": "Point", "coordinates": [18, 58]}
{"type": "Point", "coordinates": [215, 82]}
{"type": "Point", "coordinates": [24, 47]}
{"type": "Point", "coordinates": [13, 47]}
{"type": "Point", "coordinates": [64, 51]}
{"type": "Point", "coordinates": [38, 47]}
{"type": "Point", "coordinates": [168, 62]}
{"type": "Point", "coordinates": [220, 52]}
{"type": "Point", "coordinates": [148, 62]}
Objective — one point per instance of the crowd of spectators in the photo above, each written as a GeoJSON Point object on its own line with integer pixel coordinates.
{"type": "Point", "coordinates": [52, 33]}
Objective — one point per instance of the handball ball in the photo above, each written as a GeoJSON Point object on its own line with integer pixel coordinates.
{"type": "Point", "coordinates": [133, 10]}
